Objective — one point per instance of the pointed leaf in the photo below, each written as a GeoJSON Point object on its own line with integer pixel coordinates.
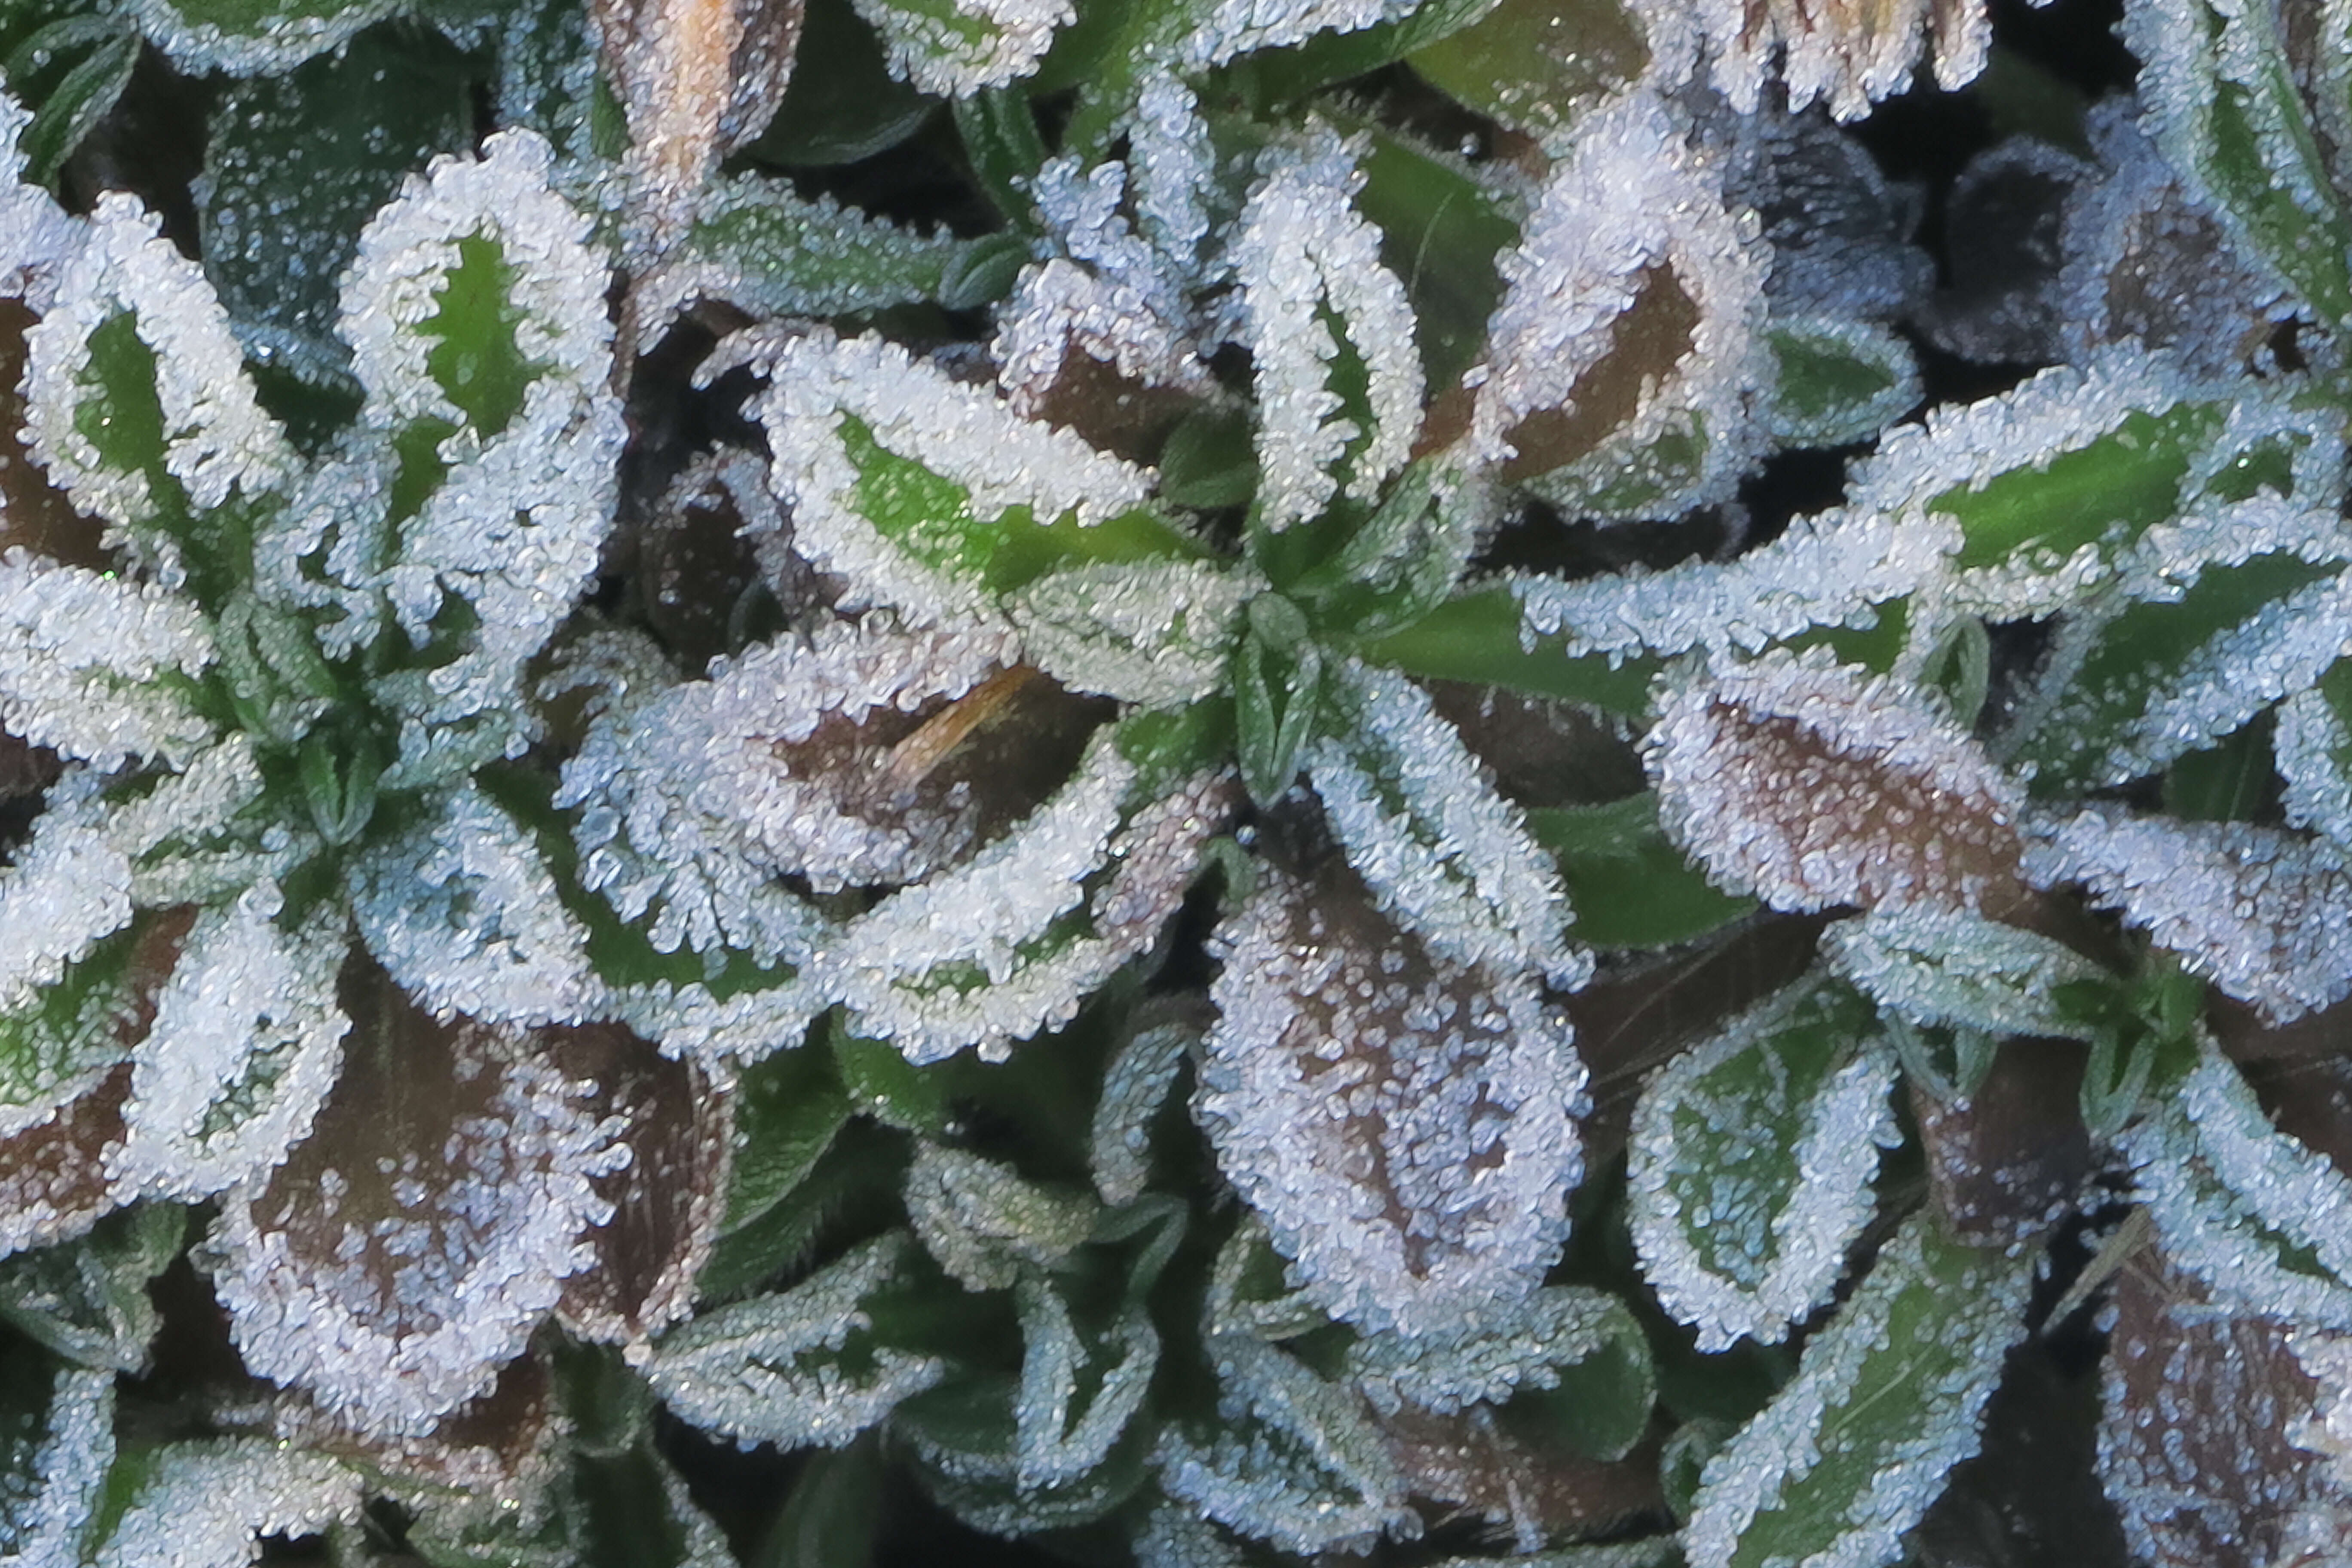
{"type": "Point", "coordinates": [1839, 381]}
{"type": "Point", "coordinates": [1888, 1399]}
{"type": "Point", "coordinates": [1752, 1160]}
{"type": "Point", "coordinates": [955, 47]}
{"type": "Point", "coordinates": [1156, 633]}
{"type": "Point", "coordinates": [87, 1299]}
{"type": "Point", "coordinates": [1403, 1122]}
{"type": "Point", "coordinates": [983, 1221]}
{"type": "Point", "coordinates": [1628, 885]}
{"type": "Point", "coordinates": [1957, 970]}
{"type": "Point", "coordinates": [1512, 1352]}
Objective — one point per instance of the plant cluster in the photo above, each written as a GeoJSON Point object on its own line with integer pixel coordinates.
{"type": "Point", "coordinates": [1079, 759]}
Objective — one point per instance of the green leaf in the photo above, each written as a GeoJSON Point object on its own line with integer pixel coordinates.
{"type": "Point", "coordinates": [296, 164]}
{"type": "Point", "coordinates": [1628, 884]}
{"type": "Point", "coordinates": [1000, 136]}
{"type": "Point", "coordinates": [882, 1083]}
{"type": "Point", "coordinates": [1751, 1163]}
{"type": "Point", "coordinates": [1475, 636]}
{"type": "Point", "coordinates": [1277, 697]}
{"type": "Point", "coordinates": [87, 94]}
{"type": "Point", "coordinates": [1886, 1400]}
{"type": "Point", "coordinates": [831, 1516]}
{"type": "Point", "coordinates": [788, 1108]}
{"type": "Point", "coordinates": [843, 105]}
{"type": "Point", "coordinates": [87, 1300]}
{"type": "Point", "coordinates": [2227, 782]}
{"type": "Point", "coordinates": [1839, 381]}
{"type": "Point", "coordinates": [1440, 233]}
{"type": "Point", "coordinates": [985, 1222]}
{"type": "Point", "coordinates": [251, 37]}
{"type": "Point", "coordinates": [1334, 56]}
{"type": "Point", "coordinates": [1536, 66]}
{"type": "Point", "coordinates": [2105, 492]}
{"type": "Point", "coordinates": [479, 360]}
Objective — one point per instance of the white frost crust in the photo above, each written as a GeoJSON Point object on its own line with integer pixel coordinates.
{"type": "Point", "coordinates": [2264, 914]}
{"type": "Point", "coordinates": [1445, 856]}
{"type": "Point", "coordinates": [1049, 1449]}
{"type": "Point", "coordinates": [36, 236]}
{"type": "Point", "coordinates": [1846, 55]}
{"type": "Point", "coordinates": [1060, 308]}
{"type": "Point", "coordinates": [85, 658]}
{"type": "Point", "coordinates": [1234, 28]}
{"type": "Point", "coordinates": [1153, 633]}
{"type": "Point", "coordinates": [1840, 1131]}
{"type": "Point", "coordinates": [217, 438]}
{"type": "Point", "coordinates": [963, 434]}
{"type": "Point", "coordinates": [281, 41]}
{"type": "Point", "coordinates": [2229, 1193]}
{"type": "Point", "coordinates": [247, 1040]}
{"type": "Point", "coordinates": [983, 44]}
{"type": "Point", "coordinates": [1952, 967]}
{"type": "Point", "coordinates": [466, 916]}
{"type": "Point", "coordinates": [686, 1023]}
{"type": "Point", "coordinates": [526, 1210]}
{"type": "Point", "coordinates": [69, 890]}
{"type": "Point", "coordinates": [1832, 570]}
{"type": "Point", "coordinates": [768, 1370]}
{"type": "Point", "coordinates": [1708, 779]}
{"type": "Point", "coordinates": [212, 1502]}
{"type": "Point", "coordinates": [989, 915]}
{"type": "Point", "coordinates": [555, 280]}
{"type": "Point", "coordinates": [1630, 198]}
{"type": "Point", "coordinates": [1510, 1352]}
{"type": "Point", "coordinates": [1304, 253]}
{"type": "Point", "coordinates": [1339, 1096]}
{"type": "Point", "coordinates": [1783, 1445]}
{"type": "Point", "coordinates": [2313, 749]}
{"type": "Point", "coordinates": [1175, 166]}
{"type": "Point", "coordinates": [68, 1468]}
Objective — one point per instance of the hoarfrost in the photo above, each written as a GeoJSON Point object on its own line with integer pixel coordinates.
{"type": "Point", "coordinates": [1062, 1374]}
{"type": "Point", "coordinates": [216, 437]}
{"type": "Point", "coordinates": [1751, 1164]}
{"type": "Point", "coordinates": [1813, 785]}
{"type": "Point", "coordinates": [406, 1251]}
{"type": "Point", "coordinates": [246, 1041]}
{"type": "Point", "coordinates": [1154, 633]}
{"type": "Point", "coordinates": [1319, 310]}
{"type": "Point", "coordinates": [1237, 26]}
{"type": "Point", "coordinates": [1135, 1085]}
{"type": "Point", "coordinates": [984, 1223]}
{"type": "Point", "coordinates": [1445, 856]}
{"type": "Point", "coordinates": [212, 1502]}
{"type": "Point", "coordinates": [2313, 749]}
{"type": "Point", "coordinates": [1512, 1350]}
{"type": "Point", "coordinates": [954, 49]}
{"type": "Point", "coordinates": [37, 236]}
{"type": "Point", "coordinates": [464, 913]}
{"type": "Point", "coordinates": [56, 1458]}
{"type": "Point", "coordinates": [1060, 309]}
{"type": "Point", "coordinates": [796, 1368]}
{"type": "Point", "coordinates": [1174, 167]}
{"type": "Point", "coordinates": [53, 1172]}
{"type": "Point", "coordinates": [1405, 1123]}
{"type": "Point", "coordinates": [1847, 54]}
{"type": "Point", "coordinates": [1953, 968]}
{"type": "Point", "coordinates": [2264, 914]}
{"type": "Point", "coordinates": [1848, 1456]}
{"type": "Point", "coordinates": [916, 415]}
{"type": "Point", "coordinates": [70, 889]}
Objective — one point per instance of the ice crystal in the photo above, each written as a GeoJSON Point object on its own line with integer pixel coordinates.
{"type": "Point", "coordinates": [1062, 313]}
{"type": "Point", "coordinates": [1514, 1349]}
{"type": "Point", "coordinates": [2265, 914]}
{"type": "Point", "coordinates": [1135, 1085]}
{"type": "Point", "coordinates": [1233, 27]}
{"type": "Point", "coordinates": [1403, 1121]}
{"type": "Point", "coordinates": [1154, 633]}
{"type": "Point", "coordinates": [1848, 1456]}
{"type": "Point", "coordinates": [213, 1502]}
{"type": "Point", "coordinates": [984, 1223]}
{"type": "Point", "coordinates": [1075, 1399]}
{"type": "Point", "coordinates": [1955, 969]}
{"type": "Point", "coordinates": [1320, 311]}
{"type": "Point", "coordinates": [799, 1367]}
{"type": "Point", "coordinates": [2313, 746]}
{"type": "Point", "coordinates": [68, 888]}
{"type": "Point", "coordinates": [955, 47]}
{"type": "Point", "coordinates": [1845, 54]}
{"type": "Point", "coordinates": [1752, 1158]}
{"type": "Point", "coordinates": [1813, 784]}
{"type": "Point", "coordinates": [97, 667]}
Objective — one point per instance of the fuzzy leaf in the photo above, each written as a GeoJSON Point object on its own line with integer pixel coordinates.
{"type": "Point", "coordinates": [1886, 1400]}
{"type": "Point", "coordinates": [1813, 784]}
{"type": "Point", "coordinates": [800, 1368]}
{"type": "Point", "coordinates": [1403, 1122]}
{"type": "Point", "coordinates": [1752, 1160]}
{"type": "Point", "coordinates": [406, 1252]}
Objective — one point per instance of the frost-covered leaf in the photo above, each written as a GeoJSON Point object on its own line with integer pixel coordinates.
{"type": "Point", "coordinates": [295, 163]}
{"type": "Point", "coordinates": [668, 1200]}
{"type": "Point", "coordinates": [53, 1180]}
{"type": "Point", "coordinates": [2265, 914]}
{"type": "Point", "coordinates": [1628, 885]}
{"type": "Point", "coordinates": [1958, 970]}
{"type": "Point", "coordinates": [1886, 1400]}
{"type": "Point", "coordinates": [63, 966]}
{"type": "Point", "coordinates": [1539, 65]}
{"type": "Point", "coordinates": [1512, 1351]}
{"type": "Point", "coordinates": [1013, 940]}
{"type": "Point", "coordinates": [956, 47]}
{"type": "Point", "coordinates": [1330, 336]}
{"type": "Point", "coordinates": [56, 1444]}
{"type": "Point", "coordinates": [1752, 1160]}
{"type": "Point", "coordinates": [1813, 785]}
{"type": "Point", "coordinates": [983, 1221]}
{"type": "Point", "coordinates": [214, 1502]}
{"type": "Point", "coordinates": [87, 1299]}
{"type": "Point", "coordinates": [2244, 1208]}
{"type": "Point", "coordinates": [1403, 1122]}
{"type": "Point", "coordinates": [801, 1367]}
{"type": "Point", "coordinates": [1079, 1392]}
{"type": "Point", "coordinates": [1846, 55]}
{"type": "Point", "coordinates": [2198, 1445]}
{"type": "Point", "coordinates": [1157, 633]}
{"type": "Point", "coordinates": [921, 490]}
{"type": "Point", "coordinates": [2312, 749]}
{"type": "Point", "coordinates": [1445, 856]}
{"type": "Point", "coordinates": [760, 247]}
{"type": "Point", "coordinates": [2221, 98]}
{"type": "Point", "coordinates": [1226, 28]}
{"type": "Point", "coordinates": [407, 1250]}
{"type": "Point", "coordinates": [697, 79]}
{"type": "Point", "coordinates": [137, 399]}
{"type": "Point", "coordinates": [1135, 1087]}
{"type": "Point", "coordinates": [1623, 356]}
{"type": "Point", "coordinates": [1293, 1459]}
{"type": "Point", "coordinates": [464, 913]}
{"type": "Point", "coordinates": [246, 1041]}
{"type": "Point", "coordinates": [1107, 355]}
{"type": "Point", "coordinates": [1838, 380]}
